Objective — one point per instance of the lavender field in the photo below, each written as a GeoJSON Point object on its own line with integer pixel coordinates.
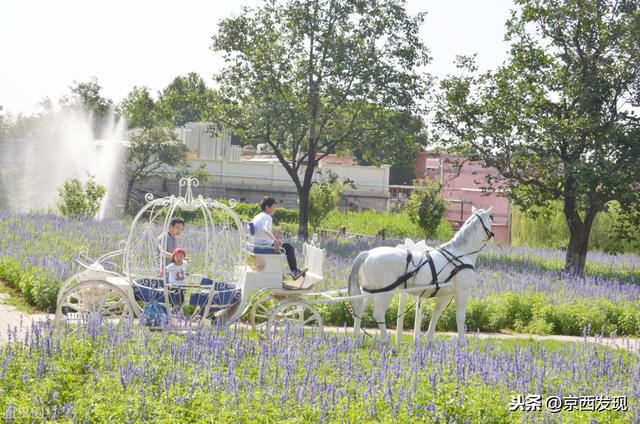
{"type": "Point", "coordinates": [519, 289]}
{"type": "Point", "coordinates": [129, 374]}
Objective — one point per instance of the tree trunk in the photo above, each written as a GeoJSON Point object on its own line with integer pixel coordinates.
{"type": "Point", "coordinates": [127, 198]}
{"type": "Point", "coordinates": [579, 231]}
{"type": "Point", "coordinates": [576, 250]}
{"type": "Point", "coordinates": [303, 217]}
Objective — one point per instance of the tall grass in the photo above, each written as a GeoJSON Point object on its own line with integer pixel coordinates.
{"type": "Point", "coordinates": [550, 230]}
{"type": "Point", "coordinates": [396, 225]}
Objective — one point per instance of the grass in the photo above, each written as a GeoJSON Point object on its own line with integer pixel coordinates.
{"type": "Point", "coordinates": [16, 299]}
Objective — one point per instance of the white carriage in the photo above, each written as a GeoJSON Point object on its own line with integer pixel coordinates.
{"type": "Point", "coordinates": [226, 274]}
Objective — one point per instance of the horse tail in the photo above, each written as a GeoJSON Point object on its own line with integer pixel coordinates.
{"type": "Point", "coordinates": [354, 284]}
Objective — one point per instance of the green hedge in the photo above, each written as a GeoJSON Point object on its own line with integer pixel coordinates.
{"type": "Point", "coordinates": [363, 222]}
{"type": "Point", "coordinates": [247, 211]}
{"type": "Point", "coordinates": [520, 312]}
{"type": "Point", "coordinates": [37, 289]}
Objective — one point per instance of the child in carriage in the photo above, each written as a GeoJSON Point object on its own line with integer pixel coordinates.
{"type": "Point", "coordinates": [177, 269]}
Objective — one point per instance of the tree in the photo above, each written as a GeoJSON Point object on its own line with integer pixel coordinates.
{"type": "Point", "coordinates": [5, 125]}
{"type": "Point", "coordinates": [426, 207]}
{"type": "Point", "coordinates": [149, 151]}
{"type": "Point", "coordinates": [556, 118]}
{"type": "Point", "coordinates": [309, 77]}
{"type": "Point", "coordinates": [86, 96]}
{"type": "Point", "coordinates": [324, 197]}
{"type": "Point", "coordinates": [138, 108]}
{"type": "Point", "coordinates": [78, 200]}
{"type": "Point", "coordinates": [186, 99]}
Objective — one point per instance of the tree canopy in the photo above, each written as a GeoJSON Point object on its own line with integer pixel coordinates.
{"type": "Point", "coordinates": [309, 77]}
{"type": "Point", "coordinates": [150, 150]}
{"type": "Point", "coordinates": [186, 99]}
{"type": "Point", "coordinates": [557, 118]}
{"type": "Point", "coordinates": [139, 108]}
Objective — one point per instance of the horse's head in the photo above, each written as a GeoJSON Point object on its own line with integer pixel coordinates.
{"type": "Point", "coordinates": [483, 219]}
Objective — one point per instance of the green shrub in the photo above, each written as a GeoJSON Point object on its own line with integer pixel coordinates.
{"type": "Point", "coordinates": [10, 271]}
{"type": "Point", "coordinates": [37, 289]}
{"type": "Point", "coordinates": [44, 293]}
{"type": "Point", "coordinates": [324, 198]}
{"type": "Point", "coordinates": [25, 285]}
{"type": "Point", "coordinates": [426, 208]}
{"type": "Point", "coordinates": [78, 200]}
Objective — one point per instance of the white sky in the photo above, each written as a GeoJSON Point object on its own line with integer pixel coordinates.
{"type": "Point", "coordinates": [46, 45]}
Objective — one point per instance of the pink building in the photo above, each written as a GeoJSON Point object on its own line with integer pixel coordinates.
{"type": "Point", "coordinates": [462, 189]}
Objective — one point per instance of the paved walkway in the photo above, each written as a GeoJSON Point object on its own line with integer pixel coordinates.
{"type": "Point", "coordinates": [11, 318]}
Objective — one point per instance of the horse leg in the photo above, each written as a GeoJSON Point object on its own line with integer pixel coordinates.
{"type": "Point", "coordinates": [357, 318]}
{"type": "Point", "coordinates": [441, 303]}
{"type": "Point", "coordinates": [462, 296]}
{"type": "Point", "coordinates": [381, 304]}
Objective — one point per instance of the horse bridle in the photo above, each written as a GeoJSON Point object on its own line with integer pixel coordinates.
{"type": "Point", "coordinates": [488, 232]}
{"type": "Point", "coordinates": [451, 257]}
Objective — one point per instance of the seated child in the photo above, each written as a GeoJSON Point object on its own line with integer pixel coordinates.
{"type": "Point", "coordinates": [177, 269]}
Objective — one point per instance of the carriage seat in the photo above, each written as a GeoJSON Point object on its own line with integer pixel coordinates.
{"type": "Point", "coordinates": [147, 289]}
{"type": "Point", "coordinates": [257, 250]}
{"type": "Point", "coordinates": [223, 294]}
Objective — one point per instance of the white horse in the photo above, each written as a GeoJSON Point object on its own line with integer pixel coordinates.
{"type": "Point", "coordinates": [380, 270]}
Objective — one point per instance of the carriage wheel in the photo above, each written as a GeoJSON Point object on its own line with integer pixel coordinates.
{"type": "Point", "coordinates": [92, 301]}
{"type": "Point", "coordinates": [294, 317]}
{"type": "Point", "coordinates": [260, 313]}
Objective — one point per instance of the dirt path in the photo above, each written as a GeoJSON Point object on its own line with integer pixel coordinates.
{"type": "Point", "coordinates": [14, 319]}
{"type": "Point", "coordinates": [630, 344]}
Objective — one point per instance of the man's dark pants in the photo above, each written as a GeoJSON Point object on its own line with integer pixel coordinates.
{"type": "Point", "coordinates": [291, 256]}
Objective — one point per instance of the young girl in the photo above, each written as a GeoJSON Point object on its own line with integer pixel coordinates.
{"type": "Point", "coordinates": [177, 269]}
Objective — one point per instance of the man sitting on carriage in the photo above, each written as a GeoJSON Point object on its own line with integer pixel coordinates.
{"type": "Point", "coordinates": [264, 237]}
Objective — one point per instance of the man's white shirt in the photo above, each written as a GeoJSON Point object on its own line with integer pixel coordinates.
{"type": "Point", "coordinates": [262, 222]}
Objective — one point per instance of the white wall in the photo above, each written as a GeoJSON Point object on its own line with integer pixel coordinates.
{"type": "Point", "coordinates": [368, 179]}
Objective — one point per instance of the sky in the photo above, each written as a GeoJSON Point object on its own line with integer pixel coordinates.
{"type": "Point", "coordinates": [47, 45]}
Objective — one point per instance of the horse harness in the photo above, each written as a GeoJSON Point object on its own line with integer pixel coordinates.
{"type": "Point", "coordinates": [450, 257]}
{"type": "Point", "coordinates": [458, 266]}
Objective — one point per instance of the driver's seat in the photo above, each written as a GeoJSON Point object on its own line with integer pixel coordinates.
{"type": "Point", "coordinates": [263, 258]}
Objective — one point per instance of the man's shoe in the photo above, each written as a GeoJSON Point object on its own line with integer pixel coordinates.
{"type": "Point", "coordinates": [297, 273]}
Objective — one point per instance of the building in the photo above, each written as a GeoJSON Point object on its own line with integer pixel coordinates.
{"type": "Point", "coordinates": [462, 182]}
{"type": "Point", "coordinates": [248, 178]}
{"type": "Point", "coordinates": [205, 145]}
